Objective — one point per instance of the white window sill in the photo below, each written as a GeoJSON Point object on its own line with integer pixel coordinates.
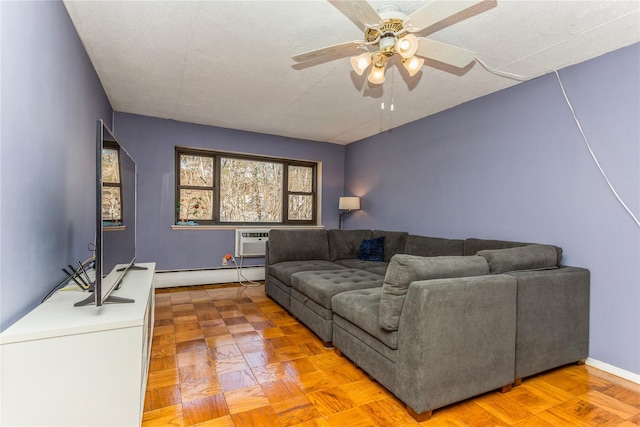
{"type": "Point", "coordinates": [239, 227]}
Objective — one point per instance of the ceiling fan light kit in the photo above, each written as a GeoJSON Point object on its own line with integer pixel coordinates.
{"type": "Point", "coordinates": [389, 31]}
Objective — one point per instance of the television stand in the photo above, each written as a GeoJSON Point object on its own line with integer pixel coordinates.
{"type": "Point", "coordinates": [133, 267]}
{"type": "Point", "coordinates": [112, 299]}
{"type": "Point", "coordinates": [64, 366]}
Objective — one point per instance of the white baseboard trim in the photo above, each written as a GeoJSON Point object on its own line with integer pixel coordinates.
{"type": "Point", "coordinates": [618, 372]}
{"type": "Point", "coordinates": [170, 279]}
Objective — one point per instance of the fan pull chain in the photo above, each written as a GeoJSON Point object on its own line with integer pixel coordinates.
{"type": "Point", "coordinates": [393, 84]}
{"type": "Point", "coordinates": [391, 105]}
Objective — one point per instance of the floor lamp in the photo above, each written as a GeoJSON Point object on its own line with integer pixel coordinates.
{"type": "Point", "coordinates": [346, 205]}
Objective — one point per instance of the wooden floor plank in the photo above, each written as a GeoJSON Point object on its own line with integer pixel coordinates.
{"type": "Point", "coordinates": [296, 410]}
{"type": "Point", "coordinates": [228, 356]}
{"type": "Point", "coordinates": [502, 407]}
{"type": "Point", "coordinates": [167, 416]}
{"type": "Point", "coordinates": [246, 399]}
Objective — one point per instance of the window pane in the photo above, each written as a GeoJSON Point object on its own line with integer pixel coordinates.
{"type": "Point", "coordinates": [300, 179]}
{"type": "Point", "coordinates": [110, 167]}
{"type": "Point", "coordinates": [250, 191]}
{"type": "Point", "coordinates": [111, 206]}
{"type": "Point", "coordinates": [196, 204]}
{"type": "Point", "coordinates": [196, 170]}
{"type": "Point", "coordinates": [300, 207]}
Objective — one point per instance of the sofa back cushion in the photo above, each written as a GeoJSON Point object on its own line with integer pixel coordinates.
{"type": "Point", "coordinates": [473, 246]}
{"type": "Point", "coordinates": [406, 269]}
{"type": "Point", "coordinates": [521, 258]}
{"type": "Point", "coordinates": [433, 246]}
{"type": "Point", "coordinates": [394, 242]}
{"type": "Point", "coordinates": [298, 245]}
{"type": "Point", "coordinates": [344, 244]}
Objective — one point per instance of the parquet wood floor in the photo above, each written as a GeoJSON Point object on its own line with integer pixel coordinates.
{"type": "Point", "coordinates": [225, 356]}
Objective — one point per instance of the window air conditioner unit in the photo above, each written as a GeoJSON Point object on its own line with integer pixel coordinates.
{"type": "Point", "coordinates": [251, 243]}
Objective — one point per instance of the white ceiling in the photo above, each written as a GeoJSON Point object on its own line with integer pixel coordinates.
{"type": "Point", "coordinates": [228, 63]}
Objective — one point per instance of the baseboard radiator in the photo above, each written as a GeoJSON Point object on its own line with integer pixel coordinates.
{"type": "Point", "coordinates": [170, 279]}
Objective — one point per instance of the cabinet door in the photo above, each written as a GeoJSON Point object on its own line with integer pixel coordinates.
{"type": "Point", "coordinates": [74, 380]}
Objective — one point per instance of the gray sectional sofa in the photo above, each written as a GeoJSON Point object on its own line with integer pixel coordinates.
{"type": "Point", "coordinates": [434, 320]}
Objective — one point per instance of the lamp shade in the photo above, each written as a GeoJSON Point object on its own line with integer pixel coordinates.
{"type": "Point", "coordinates": [407, 46]}
{"type": "Point", "coordinates": [376, 76]}
{"type": "Point", "coordinates": [349, 203]}
{"type": "Point", "coordinates": [361, 62]}
{"type": "Point", "coordinates": [413, 65]}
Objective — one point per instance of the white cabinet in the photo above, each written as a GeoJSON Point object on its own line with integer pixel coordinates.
{"type": "Point", "coordinates": [62, 365]}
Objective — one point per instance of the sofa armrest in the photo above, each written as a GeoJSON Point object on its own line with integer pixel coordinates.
{"type": "Point", "coordinates": [456, 340]}
{"type": "Point", "coordinates": [553, 319]}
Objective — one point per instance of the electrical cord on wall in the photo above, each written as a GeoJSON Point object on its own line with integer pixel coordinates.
{"type": "Point", "coordinates": [595, 159]}
{"type": "Point", "coordinates": [575, 118]}
{"type": "Point", "coordinates": [250, 283]}
{"type": "Point", "coordinates": [504, 73]}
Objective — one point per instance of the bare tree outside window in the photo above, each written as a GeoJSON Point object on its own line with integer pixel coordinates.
{"type": "Point", "coordinates": [250, 191]}
{"type": "Point", "coordinates": [196, 188]}
{"type": "Point", "coordinates": [300, 183]}
{"type": "Point", "coordinates": [196, 170]}
{"type": "Point", "coordinates": [301, 178]}
{"type": "Point", "coordinates": [111, 186]}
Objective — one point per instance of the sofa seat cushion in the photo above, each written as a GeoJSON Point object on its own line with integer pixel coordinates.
{"type": "Point", "coordinates": [520, 258]}
{"type": "Point", "coordinates": [405, 269]}
{"type": "Point", "coordinates": [361, 307]}
{"type": "Point", "coordinates": [381, 269]}
{"type": "Point", "coordinates": [321, 286]}
{"type": "Point", "coordinates": [283, 270]}
{"type": "Point", "coordinates": [360, 264]}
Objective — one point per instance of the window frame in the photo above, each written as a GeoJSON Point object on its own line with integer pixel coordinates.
{"type": "Point", "coordinates": [217, 155]}
{"type": "Point", "coordinates": [114, 146]}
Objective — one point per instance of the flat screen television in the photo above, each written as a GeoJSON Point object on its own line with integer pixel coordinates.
{"type": "Point", "coordinates": [115, 240]}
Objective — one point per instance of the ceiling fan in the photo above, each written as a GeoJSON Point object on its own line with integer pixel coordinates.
{"type": "Point", "coordinates": [389, 31]}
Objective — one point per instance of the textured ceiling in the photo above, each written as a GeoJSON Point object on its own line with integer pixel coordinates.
{"type": "Point", "coordinates": [228, 63]}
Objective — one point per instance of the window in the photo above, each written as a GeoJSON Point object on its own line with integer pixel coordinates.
{"type": "Point", "coordinates": [111, 185]}
{"type": "Point", "coordinates": [223, 188]}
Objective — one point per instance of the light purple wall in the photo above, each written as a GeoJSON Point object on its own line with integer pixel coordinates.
{"type": "Point", "coordinates": [513, 166]}
{"type": "Point", "coordinates": [51, 100]}
{"type": "Point", "coordinates": [151, 142]}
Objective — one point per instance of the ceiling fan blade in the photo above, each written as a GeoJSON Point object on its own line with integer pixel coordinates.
{"type": "Point", "coordinates": [337, 49]}
{"type": "Point", "coordinates": [435, 12]}
{"type": "Point", "coordinates": [359, 12]}
{"type": "Point", "coordinates": [444, 52]}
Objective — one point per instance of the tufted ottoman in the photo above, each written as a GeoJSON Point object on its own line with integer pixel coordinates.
{"type": "Point", "coordinates": [311, 293]}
